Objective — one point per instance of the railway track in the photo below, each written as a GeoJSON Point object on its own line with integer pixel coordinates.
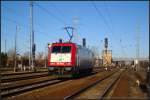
{"type": "Point", "coordinates": [19, 87]}
{"type": "Point", "coordinates": [102, 85]}
{"type": "Point", "coordinates": [63, 89]}
{"type": "Point", "coordinates": [26, 84]}
{"type": "Point", "coordinates": [109, 87]}
{"type": "Point", "coordinates": [84, 92]}
{"type": "Point", "coordinates": [15, 77]}
{"type": "Point", "coordinates": [21, 73]}
{"type": "Point", "coordinates": [9, 77]}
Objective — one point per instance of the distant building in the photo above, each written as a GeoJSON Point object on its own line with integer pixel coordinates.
{"type": "Point", "coordinates": [107, 57]}
{"type": "Point", "coordinates": [98, 62]}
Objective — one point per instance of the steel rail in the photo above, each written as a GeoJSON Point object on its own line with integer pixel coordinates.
{"type": "Point", "coordinates": [16, 84]}
{"type": "Point", "coordinates": [22, 77]}
{"type": "Point", "coordinates": [107, 89]}
{"type": "Point", "coordinates": [87, 87]}
{"type": "Point", "coordinates": [21, 89]}
{"type": "Point", "coordinates": [21, 73]}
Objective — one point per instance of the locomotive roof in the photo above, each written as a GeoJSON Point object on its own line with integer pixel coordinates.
{"type": "Point", "coordinates": [65, 43]}
{"type": "Point", "coordinates": [69, 43]}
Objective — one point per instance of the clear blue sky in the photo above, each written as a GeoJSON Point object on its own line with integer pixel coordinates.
{"type": "Point", "coordinates": [96, 20]}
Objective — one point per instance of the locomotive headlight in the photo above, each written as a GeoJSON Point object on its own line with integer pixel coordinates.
{"type": "Point", "coordinates": [67, 68]}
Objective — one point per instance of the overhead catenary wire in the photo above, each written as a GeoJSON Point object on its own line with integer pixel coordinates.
{"type": "Point", "coordinates": [58, 10]}
{"type": "Point", "coordinates": [101, 15]}
{"type": "Point", "coordinates": [50, 13]}
{"type": "Point", "coordinates": [112, 26]}
{"type": "Point", "coordinates": [22, 25]}
{"type": "Point", "coordinates": [109, 16]}
{"type": "Point", "coordinates": [37, 25]}
{"type": "Point", "coordinates": [11, 10]}
{"type": "Point", "coordinates": [25, 27]}
{"type": "Point", "coordinates": [106, 22]}
{"type": "Point", "coordinates": [123, 51]}
{"type": "Point", "coordinates": [14, 21]}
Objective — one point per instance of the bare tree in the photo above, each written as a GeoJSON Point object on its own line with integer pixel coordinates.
{"type": "Point", "coordinates": [40, 55]}
{"type": "Point", "coordinates": [25, 59]}
{"type": "Point", "coordinates": [11, 55]}
{"type": "Point", "coordinates": [40, 59]}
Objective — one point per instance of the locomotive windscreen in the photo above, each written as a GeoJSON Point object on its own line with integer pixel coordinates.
{"type": "Point", "coordinates": [56, 49]}
{"type": "Point", "coordinates": [61, 49]}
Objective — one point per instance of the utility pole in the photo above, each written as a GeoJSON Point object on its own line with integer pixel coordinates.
{"type": "Point", "coordinates": [122, 47]}
{"type": "Point", "coordinates": [30, 36]}
{"type": "Point", "coordinates": [45, 55]}
{"type": "Point", "coordinates": [15, 55]}
{"type": "Point", "coordinates": [5, 46]}
{"type": "Point", "coordinates": [137, 47]}
{"type": "Point", "coordinates": [0, 67]}
{"type": "Point", "coordinates": [75, 22]}
{"type": "Point", "coordinates": [32, 45]}
{"type": "Point", "coordinates": [101, 47]}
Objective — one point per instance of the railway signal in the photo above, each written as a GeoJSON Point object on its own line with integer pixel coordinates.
{"type": "Point", "coordinates": [137, 47]}
{"type": "Point", "coordinates": [107, 54]}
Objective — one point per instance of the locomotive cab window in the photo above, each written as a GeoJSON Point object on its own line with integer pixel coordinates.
{"type": "Point", "coordinates": [66, 49]}
{"type": "Point", "coordinates": [61, 49]}
{"type": "Point", "coordinates": [56, 49]}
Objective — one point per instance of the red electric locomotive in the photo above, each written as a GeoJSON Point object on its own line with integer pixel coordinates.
{"type": "Point", "coordinates": [69, 59]}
